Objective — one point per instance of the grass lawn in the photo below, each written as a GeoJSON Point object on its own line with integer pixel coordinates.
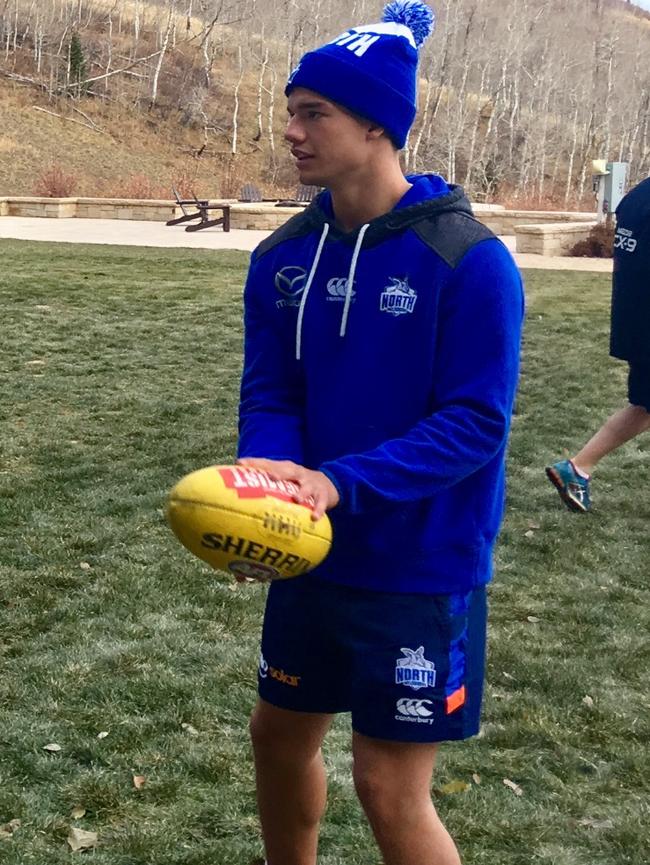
{"type": "Point", "coordinates": [120, 374]}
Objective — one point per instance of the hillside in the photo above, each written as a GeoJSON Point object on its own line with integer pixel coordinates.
{"type": "Point", "coordinates": [132, 154]}
{"type": "Point", "coordinates": [515, 101]}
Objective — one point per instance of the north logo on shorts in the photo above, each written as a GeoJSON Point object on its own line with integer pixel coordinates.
{"type": "Point", "coordinates": [414, 670]}
{"type": "Point", "coordinates": [415, 711]}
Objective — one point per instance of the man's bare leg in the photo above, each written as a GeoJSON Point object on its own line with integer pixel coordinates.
{"type": "Point", "coordinates": [393, 782]}
{"type": "Point", "coordinates": [623, 425]}
{"type": "Point", "coordinates": [291, 781]}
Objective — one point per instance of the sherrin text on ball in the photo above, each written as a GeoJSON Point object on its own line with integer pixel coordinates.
{"type": "Point", "coordinates": [240, 520]}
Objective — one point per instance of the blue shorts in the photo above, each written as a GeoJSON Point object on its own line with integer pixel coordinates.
{"type": "Point", "coordinates": [638, 385]}
{"type": "Point", "coordinates": [408, 667]}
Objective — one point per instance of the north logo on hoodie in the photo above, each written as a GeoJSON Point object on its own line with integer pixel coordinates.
{"type": "Point", "coordinates": [398, 298]}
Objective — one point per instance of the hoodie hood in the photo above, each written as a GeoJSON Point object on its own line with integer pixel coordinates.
{"type": "Point", "coordinates": [428, 196]}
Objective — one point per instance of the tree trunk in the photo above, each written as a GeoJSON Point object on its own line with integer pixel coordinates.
{"type": "Point", "coordinates": [161, 55]}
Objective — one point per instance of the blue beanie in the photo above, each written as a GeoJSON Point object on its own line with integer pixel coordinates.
{"type": "Point", "coordinates": [372, 70]}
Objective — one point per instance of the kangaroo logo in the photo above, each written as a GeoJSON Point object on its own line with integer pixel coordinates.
{"type": "Point", "coordinates": [414, 670]}
{"type": "Point", "coordinates": [398, 298]}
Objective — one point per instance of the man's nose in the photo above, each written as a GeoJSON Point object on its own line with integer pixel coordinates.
{"type": "Point", "coordinates": [294, 131]}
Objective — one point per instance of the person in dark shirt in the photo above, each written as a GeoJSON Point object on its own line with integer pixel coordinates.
{"type": "Point", "coordinates": [630, 341]}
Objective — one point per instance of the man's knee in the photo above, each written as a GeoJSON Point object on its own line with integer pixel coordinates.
{"type": "Point", "coordinates": [392, 779]}
{"type": "Point", "coordinates": [373, 791]}
{"type": "Point", "coordinates": [384, 798]}
{"type": "Point", "coordinates": [285, 736]}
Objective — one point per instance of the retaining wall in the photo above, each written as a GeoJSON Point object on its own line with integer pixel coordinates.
{"type": "Point", "coordinates": [564, 228]}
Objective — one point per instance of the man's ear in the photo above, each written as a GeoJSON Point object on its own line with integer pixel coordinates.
{"type": "Point", "coordinates": [375, 132]}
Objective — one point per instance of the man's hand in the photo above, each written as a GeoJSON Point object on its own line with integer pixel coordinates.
{"type": "Point", "coordinates": [313, 485]}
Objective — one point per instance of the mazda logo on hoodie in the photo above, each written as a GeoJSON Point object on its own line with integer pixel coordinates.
{"type": "Point", "coordinates": [290, 281]}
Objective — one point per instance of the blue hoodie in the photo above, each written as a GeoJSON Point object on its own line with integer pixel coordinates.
{"type": "Point", "coordinates": [387, 358]}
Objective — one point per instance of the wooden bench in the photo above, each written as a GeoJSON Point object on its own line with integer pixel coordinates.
{"type": "Point", "coordinates": [201, 212]}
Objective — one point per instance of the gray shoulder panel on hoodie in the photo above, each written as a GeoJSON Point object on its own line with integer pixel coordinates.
{"type": "Point", "coordinates": [299, 225]}
{"type": "Point", "coordinates": [451, 234]}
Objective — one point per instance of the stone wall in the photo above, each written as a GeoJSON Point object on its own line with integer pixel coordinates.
{"type": "Point", "coordinates": [506, 222]}
{"type": "Point", "coordinates": [553, 238]}
{"type": "Point", "coordinates": [261, 217]}
{"type": "Point", "coordinates": [564, 229]}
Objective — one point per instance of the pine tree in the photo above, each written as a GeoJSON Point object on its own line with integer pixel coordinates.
{"type": "Point", "coordinates": [77, 60]}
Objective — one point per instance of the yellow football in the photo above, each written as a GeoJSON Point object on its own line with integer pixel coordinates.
{"type": "Point", "coordinates": [239, 520]}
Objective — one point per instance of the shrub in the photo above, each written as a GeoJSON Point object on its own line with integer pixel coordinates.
{"type": "Point", "coordinates": [141, 186]}
{"type": "Point", "coordinates": [55, 183]}
{"type": "Point", "coordinates": [599, 244]}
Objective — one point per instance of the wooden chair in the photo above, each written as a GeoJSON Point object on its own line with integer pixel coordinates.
{"type": "Point", "coordinates": [250, 193]}
{"type": "Point", "coordinates": [201, 212]}
{"type": "Point", "coordinates": [304, 196]}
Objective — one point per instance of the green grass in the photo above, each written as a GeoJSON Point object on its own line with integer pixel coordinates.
{"type": "Point", "coordinates": [120, 374]}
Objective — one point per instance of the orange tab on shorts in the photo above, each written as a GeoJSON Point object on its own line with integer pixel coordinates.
{"type": "Point", "coordinates": [455, 701]}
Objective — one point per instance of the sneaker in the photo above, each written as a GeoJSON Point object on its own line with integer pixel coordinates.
{"type": "Point", "coordinates": [572, 487]}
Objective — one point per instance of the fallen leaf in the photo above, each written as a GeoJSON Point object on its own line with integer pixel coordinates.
{"type": "Point", "coordinates": [78, 812]}
{"type": "Point", "coordinates": [79, 839]}
{"type": "Point", "coordinates": [103, 734]}
{"type": "Point", "coordinates": [529, 534]}
{"type": "Point", "coordinates": [35, 363]}
{"type": "Point", "coordinates": [476, 778]}
{"type": "Point", "coordinates": [85, 566]}
{"type": "Point", "coordinates": [588, 701]}
{"type": "Point", "coordinates": [508, 676]}
{"type": "Point", "coordinates": [596, 824]}
{"type": "Point", "coordinates": [516, 789]}
{"type": "Point", "coordinates": [532, 619]}
{"type": "Point", "coordinates": [8, 829]}
{"type": "Point", "coordinates": [190, 729]}
{"type": "Point", "coordinates": [52, 747]}
{"type": "Point", "coordinates": [139, 781]}
{"type": "Point", "coordinates": [532, 525]}
{"type": "Point", "coordinates": [454, 787]}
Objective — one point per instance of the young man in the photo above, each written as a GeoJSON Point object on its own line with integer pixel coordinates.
{"type": "Point", "coordinates": [630, 341]}
{"type": "Point", "coordinates": [382, 330]}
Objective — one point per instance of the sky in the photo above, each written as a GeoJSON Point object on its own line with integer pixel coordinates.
{"type": "Point", "coordinates": [644, 4]}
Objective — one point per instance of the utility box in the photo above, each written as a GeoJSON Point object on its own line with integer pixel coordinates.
{"type": "Point", "coordinates": [615, 185]}
{"type": "Point", "coordinates": [609, 185]}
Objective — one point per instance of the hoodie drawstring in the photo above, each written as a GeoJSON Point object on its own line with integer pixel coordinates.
{"type": "Point", "coordinates": [348, 286]}
{"type": "Point", "coordinates": [310, 279]}
{"type": "Point", "coordinates": [350, 282]}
